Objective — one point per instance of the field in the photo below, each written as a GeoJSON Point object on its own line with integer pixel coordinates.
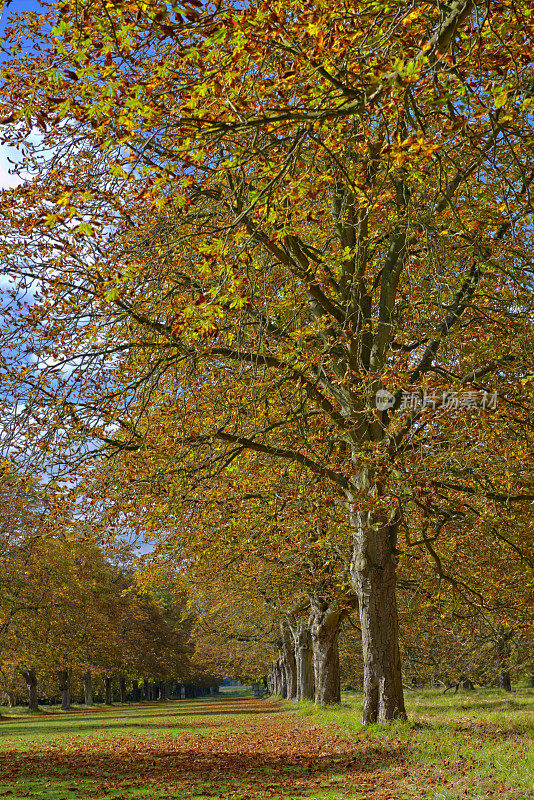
{"type": "Point", "coordinates": [470, 745]}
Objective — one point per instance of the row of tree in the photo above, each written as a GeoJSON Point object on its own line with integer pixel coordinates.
{"type": "Point", "coordinates": [265, 580]}
{"type": "Point", "coordinates": [67, 613]}
{"type": "Point", "coordinates": [270, 300]}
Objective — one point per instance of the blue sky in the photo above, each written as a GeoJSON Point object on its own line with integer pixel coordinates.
{"type": "Point", "coordinates": [16, 6]}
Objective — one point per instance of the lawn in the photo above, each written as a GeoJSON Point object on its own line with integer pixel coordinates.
{"type": "Point", "coordinates": [470, 745]}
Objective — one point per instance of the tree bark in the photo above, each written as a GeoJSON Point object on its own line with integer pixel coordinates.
{"type": "Point", "coordinates": [374, 577]}
{"type": "Point", "coordinates": [135, 691]}
{"type": "Point", "coordinates": [146, 690]}
{"type": "Point", "coordinates": [122, 688]}
{"type": "Point", "coordinates": [287, 656]}
{"type": "Point", "coordinates": [283, 679]}
{"type": "Point", "coordinates": [304, 661]}
{"type": "Point", "coordinates": [324, 622]}
{"type": "Point", "coordinates": [504, 653]}
{"type": "Point", "coordinates": [31, 682]}
{"type": "Point", "coordinates": [279, 674]}
{"type": "Point", "coordinates": [11, 699]}
{"type": "Point", "coordinates": [64, 687]}
{"type": "Point", "coordinates": [275, 679]}
{"type": "Point", "coordinates": [504, 680]}
{"type": "Point", "coordinates": [466, 683]}
{"type": "Point", "coordinates": [88, 689]}
{"type": "Point", "coordinates": [108, 692]}
{"type": "Point", "coordinates": [280, 679]}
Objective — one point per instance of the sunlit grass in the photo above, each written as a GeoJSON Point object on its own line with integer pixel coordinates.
{"type": "Point", "coordinates": [473, 744]}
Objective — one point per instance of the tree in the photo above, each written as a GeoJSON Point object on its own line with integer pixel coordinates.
{"type": "Point", "coordinates": [334, 204]}
{"type": "Point", "coordinates": [67, 611]}
{"type": "Point", "coordinates": [273, 554]}
{"type": "Point", "coordinates": [468, 606]}
{"type": "Point", "coordinates": [30, 585]}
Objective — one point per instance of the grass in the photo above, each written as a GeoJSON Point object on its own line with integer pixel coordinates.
{"type": "Point", "coordinates": [476, 745]}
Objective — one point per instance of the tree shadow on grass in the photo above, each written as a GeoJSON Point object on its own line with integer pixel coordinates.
{"type": "Point", "coordinates": [89, 730]}
{"type": "Point", "coordinates": [64, 723]}
{"type": "Point", "coordinates": [495, 705]}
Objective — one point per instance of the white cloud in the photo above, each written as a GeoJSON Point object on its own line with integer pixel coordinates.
{"type": "Point", "coordinates": [7, 180]}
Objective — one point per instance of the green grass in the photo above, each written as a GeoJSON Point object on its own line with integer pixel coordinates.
{"type": "Point", "coordinates": [150, 720]}
{"type": "Point", "coordinates": [476, 745]}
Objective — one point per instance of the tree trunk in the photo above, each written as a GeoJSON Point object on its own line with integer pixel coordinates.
{"type": "Point", "coordinates": [135, 691]}
{"type": "Point", "coordinates": [122, 688]}
{"type": "Point", "coordinates": [466, 683]}
{"type": "Point", "coordinates": [11, 699]}
{"type": "Point", "coordinates": [31, 682]}
{"type": "Point", "coordinates": [304, 662]}
{"type": "Point", "coordinates": [504, 653]}
{"type": "Point", "coordinates": [64, 687]}
{"type": "Point", "coordinates": [146, 690]}
{"type": "Point", "coordinates": [283, 679]}
{"type": "Point", "coordinates": [88, 689]}
{"type": "Point", "coordinates": [374, 577]}
{"type": "Point", "coordinates": [287, 656]}
{"type": "Point", "coordinates": [324, 622]}
{"type": "Point", "coordinates": [108, 693]}
{"type": "Point", "coordinates": [275, 679]}
{"type": "Point", "coordinates": [504, 681]}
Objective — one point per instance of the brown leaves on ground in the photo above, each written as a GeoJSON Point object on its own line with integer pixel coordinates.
{"type": "Point", "coordinates": [267, 753]}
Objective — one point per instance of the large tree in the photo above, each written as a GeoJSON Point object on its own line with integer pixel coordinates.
{"type": "Point", "coordinates": [262, 217]}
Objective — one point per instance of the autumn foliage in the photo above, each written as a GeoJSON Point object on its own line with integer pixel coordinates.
{"type": "Point", "coordinates": [271, 294]}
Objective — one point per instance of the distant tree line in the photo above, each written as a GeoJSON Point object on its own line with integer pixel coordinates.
{"type": "Point", "coordinates": [75, 627]}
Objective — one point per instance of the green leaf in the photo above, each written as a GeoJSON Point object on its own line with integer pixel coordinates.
{"type": "Point", "coordinates": [85, 229]}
